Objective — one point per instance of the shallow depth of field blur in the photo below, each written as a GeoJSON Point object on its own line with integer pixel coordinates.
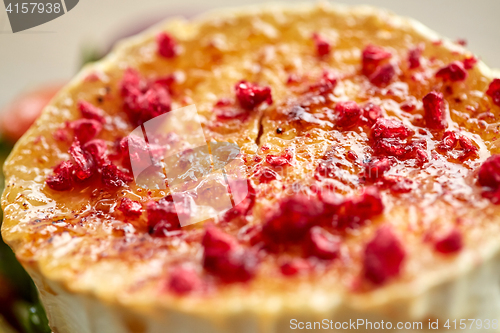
{"type": "Point", "coordinates": [35, 63]}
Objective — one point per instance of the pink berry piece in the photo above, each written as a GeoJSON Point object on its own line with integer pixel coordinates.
{"type": "Point", "coordinates": [383, 256]}
{"type": "Point", "coordinates": [323, 47]}
{"type": "Point", "coordinates": [163, 215]}
{"type": "Point", "coordinates": [295, 266]}
{"type": "Point", "coordinates": [113, 177]}
{"type": "Point", "coordinates": [434, 108]}
{"type": "Point", "coordinates": [282, 159]}
{"type": "Point", "coordinates": [386, 128]}
{"type": "Point", "coordinates": [90, 111]}
{"type": "Point", "coordinates": [130, 207]}
{"type": "Point", "coordinates": [62, 177]}
{"type": "Point", "coordinates": [183, 280]}
{"type": "Point", "coordinates": [348, 114]}
{"type": "Point", "coordinates": [450, 243]}
{"type": "Point", "coordinates": [86, 129]}
{"type": "Point", "coordinates": [489, 173]}
{"type": "Point", "coordinates": [453, 72]}
{"type": "Point", "coordinates": [372, 57]}
{"type": "Point", "coordinates": [83, 162]}
{"type": "Point", "coordinates": [372, 112]}
{"type": "Point", "coordinates": [494, 91]}
{"type": "Point", "coordinates": [376, 168]}
{"type": "Point", "coordinates": [383, 75]}
{"type": "Point", "coordinates": [251, 95]}
{"type": "Point", "coordinates": [414, 56]}
{"type": "Point", "coordinates": [290, 223]}
{"type": "Point", "coordinates": [167, 45]}
{"type": "Point", "coordinates": [226, 259]}
{"type": "Point", "coordinates": [321, 244]}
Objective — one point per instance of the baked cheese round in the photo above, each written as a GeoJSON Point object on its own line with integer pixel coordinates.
{"type": "Point", "coordinates": [366, 146]}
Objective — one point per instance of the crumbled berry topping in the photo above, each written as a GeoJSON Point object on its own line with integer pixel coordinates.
{"type": "Point", "coordinates": [449, 243]}
{"type": "Point", "coordinates": [167, 45]}
{"type": "Point", "coordinates": [130, 207]}
{"type": "Point", "coordinates": [251, 95]}
{"type": "Point", "coordinates": [86, 129]}
{"type": "Point", "coordinates": [414, 57]}
{"type": "Point", "coordinates": [225, 258]}
{"type": "Point", "coordinates": [372, 57]}
{"type": "Point", "coordinates": [453, 72]}
{"type": "Point", "coordinates": [383, 75]}
{"type": "Point", "coordinates": [434, 108]}
{"type": "Point", "coordinates": [323, 48]}
{"type": "Point", "coordinates": [385, 128]}
{"type": "Point", "coordinates": [384, 256]}
{"type": "Point", "coordinates": [183, 281]}
{"type": "Point", "coordinates": [62, 178]}
{"type": "Point", "coordinates": [90, 111]}
{"type": "Point", "coordinates": [321, 244]}
{"type": "Point", "coordinates": [348, 113]}
{"type": "Point", "coordinates": [494, 91]}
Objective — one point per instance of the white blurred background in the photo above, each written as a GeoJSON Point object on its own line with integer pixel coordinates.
{"type": "Point", "coordinates": [53, 51]}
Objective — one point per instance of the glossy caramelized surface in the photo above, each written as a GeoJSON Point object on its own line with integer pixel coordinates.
{"type": "Point", "coordinates": [300, 146]}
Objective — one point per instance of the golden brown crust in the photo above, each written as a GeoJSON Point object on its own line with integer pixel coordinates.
{"type": "Point", "coordinates": [82, 241]}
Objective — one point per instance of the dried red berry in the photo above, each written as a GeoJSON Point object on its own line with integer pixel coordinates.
{"type": "Point", "coordinates": [467, 146]}
{"type": "Point", "coordinates": [62, 178]}
{"type": "Point", "coordinates": [354, 212]}
{"type": "Point", "coordinates": [368, 204]}
{"type": "Point", "coordinates": [469, 62]}
{"type": "Point", "coordinates": [376, 168]}
{"type": "Point", "coordinates": [251, 95]}
{"type": "Point", "coordinates": [83, 163]}
{"type": "Point", "coordinates": [281, 159]}
{"type": "Point", "coordinates": [217, 242]}
{"type": "Point", "coordinates": [453, 72]}
{"type": "Point", "coordinates": [154, 102]}
{"type": "Point", "coordinates": [494, 91]}
{"type": "Point", "coordinates": [385, 128]}
{"type": "Point", "coordinates": [450, 243]}
{"type": "Point", "coordinates": [391, 147]}
{"type": "Point", "coordinates": [295, 266]}
{"type": "Point", "coordinates": [97, 148]}
{"type": "Point", "coordinates": [163, 216]}
{"type": "Point", "coordinates": [111, 176]}
{"type": "Point", "coordinates": [132, 83]}
{"type": "Point", "coordinates": [409, 105]}
{"type": "Point", "coordinates": [489, 173]}
{"type": "Point", "coordinates": [351, 155]}
{"type": "Point", "coordinates": [320, 244]}
{"type": "Point", "coordinates": [414, 57]}
{"type": "Point", "coordinates": [434, 107]}
{"type": "Point", "coordinates": [295, 216]}
{"type": "Point", "coordinates": [449, 140]}
{"type": "Point", "coordinates": [183, 281]}
{"type": "Point", "coordinates": [265, 175]}
{"type": "Point", "coordinates": [224, 258]}
{"type": "Point", "coordinates": [372, 57]}
{"type": "Point", "coordinates": [384, 256]}
{"type": "Point", "coordinates": [348, 113]}
{"type": "Point", "coordinates": [326, 84]}
{"type": "Point", "coordinates": [322, 46]}
{"type": "Point", "coordinates": [130, 207]}
{"type": "Point", "coordinates": [383, 75]}
{"type": "Point", "coordinates": [90, 111]}
{"type": "Point", "coordinates": [372, 112]}
{"type": "Point", "coordinates": [86, 129]}
{"type": "Point", "coordinates": [143, 101]}
{"type": "Point", "coordinates": [167, 45]}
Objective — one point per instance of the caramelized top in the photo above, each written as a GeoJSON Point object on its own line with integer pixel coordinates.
{"type": "Point", "coordinates": [361, 137]}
